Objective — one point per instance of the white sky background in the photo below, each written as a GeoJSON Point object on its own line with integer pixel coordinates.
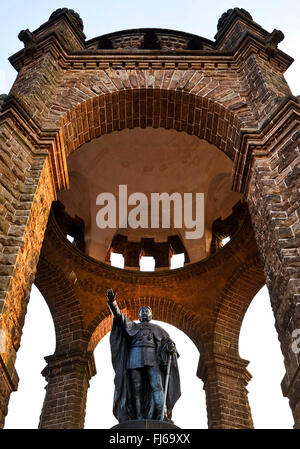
{"type": "Point", "coordinates": [258, 341]}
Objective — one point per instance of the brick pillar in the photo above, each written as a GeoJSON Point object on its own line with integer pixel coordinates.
{"type": "Point", "coordinates": [274, 203]}
{"type": "Point", "coordinates": [68, 381]}
{"type": "Point", "coordinates": [225, 379]}
{"type": "Point", "coordinates": [26, 194]}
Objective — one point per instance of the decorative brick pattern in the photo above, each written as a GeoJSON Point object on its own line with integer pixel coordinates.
{"type": "Point", "coordinates": [156, 108]}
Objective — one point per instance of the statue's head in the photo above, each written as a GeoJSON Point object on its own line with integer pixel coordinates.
{"type": "Point", "coordinates": [145, 314]}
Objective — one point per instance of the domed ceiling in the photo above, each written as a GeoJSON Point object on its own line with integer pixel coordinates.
{"type": "Point", "coordinates": [148, 161]}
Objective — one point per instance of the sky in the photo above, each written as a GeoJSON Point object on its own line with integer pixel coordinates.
{"type": "Point", "coordinates": [258, 340]}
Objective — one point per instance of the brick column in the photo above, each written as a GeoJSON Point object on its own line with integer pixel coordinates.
{"type": "Point", "coordinates": [274, 204]}
{"type": "Point", "coordinates": [26, 194]}
{"type": "Point", "coordinates": [225, 379]}
{"type": "Point", "coordinates": [68, 381]}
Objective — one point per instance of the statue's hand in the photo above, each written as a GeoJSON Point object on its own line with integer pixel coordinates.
{"type": "Point", "coordinates": [111, 295]}
{"type": "Point", "coordinates": [171, 348]}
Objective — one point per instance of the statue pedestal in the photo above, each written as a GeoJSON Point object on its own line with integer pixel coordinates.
{"type": "Point", "coordinates": [145, 424]}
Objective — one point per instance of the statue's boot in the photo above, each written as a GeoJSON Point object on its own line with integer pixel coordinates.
{"type": "Point", "coordinates": [138, 407]}
{"type": "Point", "coordinates": [159, 403]}
{"type": "Point", "coordinates": [151, 411]}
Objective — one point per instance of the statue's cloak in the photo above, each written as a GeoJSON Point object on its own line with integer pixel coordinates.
{"type": "Point", "coordinates": [123, 408]}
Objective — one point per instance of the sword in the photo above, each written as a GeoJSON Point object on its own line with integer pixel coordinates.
{"type": "Point", "coordinates": [166, 386]}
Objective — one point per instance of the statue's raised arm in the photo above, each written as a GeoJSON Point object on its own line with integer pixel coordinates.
{"type": "Point", "coordinates": [111, 295]}
{"type": "Point", "coordinates": [112, 303]}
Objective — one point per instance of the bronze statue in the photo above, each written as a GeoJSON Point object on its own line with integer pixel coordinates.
{"type": "Point", "coordinates": [144, 358]}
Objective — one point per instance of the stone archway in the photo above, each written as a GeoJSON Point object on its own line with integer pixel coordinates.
{"type": "Point", "coordinates": [59, 294]}
{"type": "Point", "coordinates": [157, 108]}
{"type": "Point", "coordinates": [163, 309]}
{"type": "Point", "coordinates": [234, 302]}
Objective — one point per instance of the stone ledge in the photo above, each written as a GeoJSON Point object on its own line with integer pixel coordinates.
{"type": "Point", "coordinates": [146, 424]}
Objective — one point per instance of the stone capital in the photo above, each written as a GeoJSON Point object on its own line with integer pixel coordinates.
{"type": "Point", "coordinates": [225, 365]}
{"type": "Point", "coordinates": [67, 363]}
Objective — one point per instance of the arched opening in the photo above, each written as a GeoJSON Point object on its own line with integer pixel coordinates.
{"type": "Point", "coordinates": [177, 261]}
{"type": "Point", "coordinates": [190, 410]}
{"type": "Point", "coordinates": [38, 340]}
{"type": "Point", "coordinates": [147, 263]}
{"type": "Point", "coordinates": [259, 344]}
{"type": "Point", "coordinates": [116, 260]}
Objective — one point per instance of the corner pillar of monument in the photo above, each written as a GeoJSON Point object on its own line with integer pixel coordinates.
{"type": "Point", "coordinates": [68, 378]}
{"type": "Point", "coordinates": [268, 173]}
{"type": "Point", "coordinates": [28, 186]}
{"type": "Point", "coordinates": [225, 380]}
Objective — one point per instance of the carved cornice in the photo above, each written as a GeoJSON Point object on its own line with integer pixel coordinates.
{"type": "Point", "coordinates": [43, 142]}
{"type": "Point", "coordinates": [228, 365]}
{"type": "Point", "coordinates": [66, 363]}
{"type": "Point", "coordinates": [161, 39]}
{"type": "Point", "coordinates": [144, 42]}
{"type": "Point", "coordinates": [196, 55]}
{"type": "Point", "coordinates": [156, 59]}
{"type": "Point", "coordinates": [263, 141]}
